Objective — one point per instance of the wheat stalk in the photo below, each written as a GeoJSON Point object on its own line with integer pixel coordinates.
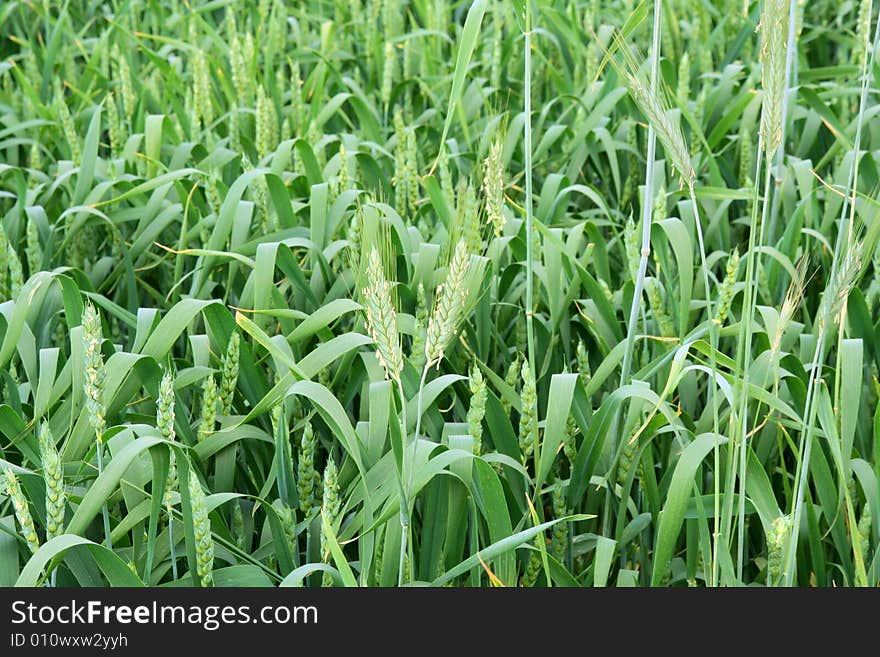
{"type": "Point", "coordinates": [774, 39]}
{"type": "Point", "coordinates": [33, 249]}
{"type": "Point", "coordinates": [330, 509]}
{"type": "Point", "coordinates": [307, 478]}
{"type": "Point", "coordinates": [94, 370]}
{"type": "Point", "coordinates": [528, 418]}
{"type": "Point", "coordinates": [94, 391]}
{"type": "Point", "coordinates": [267, 124]}
{"type": "Point", "coordinates": [493, 186]}
{"type": "Point", "coordinates": [21, 509]}
{"type": "Point", "coordinates": [450, 302]}
{"type": "Point", "coordinates": [165, 425]}
{"type": "Point", "coordinates": [16, 272]}
{"type": "Point", "coordinates": [229, 375]}
{"type": "Point", "coordinates": [477, 408]}
{"type": "Point", "coordinates": [204, 541]}
{"type": "Point", "coordinates": [208, 416]}
{"type": "Point", "coordinates": [381, 321]}
{"type": "Point", "coordinates": [53, 475]}
{"type": "Point", "coordinates": [382, 318]}
{"type": "Point", "coordinates": [203, 108]}
{"type": "Point", "coordinates": [830, 311]}
{"type": "Point", "coordinates": [653, 102]}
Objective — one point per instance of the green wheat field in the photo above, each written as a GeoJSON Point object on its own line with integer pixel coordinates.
{"type": "Point", "coordinates": [331, 293]}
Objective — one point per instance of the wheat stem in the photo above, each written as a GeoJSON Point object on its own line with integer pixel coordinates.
{"type": "Point", "coordinates": [777, 45]}
{"type": "Point", "coordinates": [647, 206]}
{"type": "Point", "coordinates": [710, 390]}
{"type": "Point", "coordinates": [839, 260]}
{"type": "Point", "coordinates": [744, 347]}
{"type": "Point", "coordinates": [527, 148]}
{"type": "Point", "coordinates": [806, 444]}
{"type": "Point", "coordinates": [405, 511]}
{"type": "Point", "coordinates": [790, 73]}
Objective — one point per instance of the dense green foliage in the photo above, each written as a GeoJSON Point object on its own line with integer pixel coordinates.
{"type": "Point", "coordinates": [299, 293]}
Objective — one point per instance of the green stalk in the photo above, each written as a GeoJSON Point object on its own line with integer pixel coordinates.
{"type": "Point", "coordinates": [744, 344]}
{"type": "Point", "coordinates": [868, 66]}
{"type": "Point", "coordinates": [861, 576]}
{"type": "Point", "coordinates": [178, 257]}
{"type": "Point", "coordinates": [414, 443]}
{"type": "Point", "coordinates": [647, 205]}
{"type": "Point", "coordinates": [105, 513]}
{"type": "Point", "coordinates": [527, 147]}
{"type": "Point", "coordinates": [710, 390]}
{"type": "Point", "coordinates": [803, 467]}
{"type": "Point", "coordinates": [405, 511]}
{"type": "Point", "coordinates": [845, 233]}
{"type": "Point", "coordinates": [171, 547]}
